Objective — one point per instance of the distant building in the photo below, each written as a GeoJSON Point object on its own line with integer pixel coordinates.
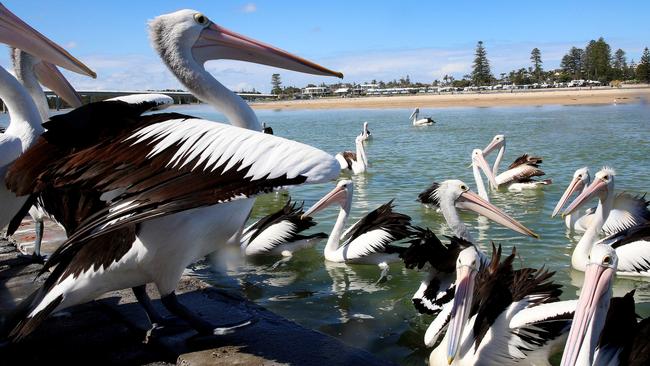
{"type": "Point", "coordinates": [315, 91]}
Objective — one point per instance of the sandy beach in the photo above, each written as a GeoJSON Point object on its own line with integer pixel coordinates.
{"type": "Point", "coordinates": [604, 95]}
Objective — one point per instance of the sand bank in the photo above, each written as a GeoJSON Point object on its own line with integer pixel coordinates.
{"type": "Point", "coordinates": [495, 99]}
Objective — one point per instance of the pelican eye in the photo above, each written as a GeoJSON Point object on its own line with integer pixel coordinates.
{"type": "Point", "coordinates": [463, 187]}
{"type": "Point", "coordinates": [607, 260]}
{"type": "Point", "coordinates": [200, 18]}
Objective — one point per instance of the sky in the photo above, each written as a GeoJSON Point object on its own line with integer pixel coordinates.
{"type": "Point", "coordinates": [366, 40]}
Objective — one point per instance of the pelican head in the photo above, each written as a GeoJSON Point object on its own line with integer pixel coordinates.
{"type": "Point", "coordinates": [27, 67]}
{"type": "Point", "coordinates": [16, 33]}
{"type": "Point", "coordinates": [341, 194]}
{"type": "Point", "coordinates": [497, 142]}
{"type": "Point", "coordinates": [478, 159]}
{"type": "Point", "coordinates": [602, 185]}
{"type": "Point", "coordinates": [581, 179]}
{"type": "Point", "coordinates": [456, 193]}
{"type": "Point", "coordinates": [467, 266]}
{"type": "Point", "coordinates": [191, 35]}
{"type": "Point", "coordinates": [593, 304]}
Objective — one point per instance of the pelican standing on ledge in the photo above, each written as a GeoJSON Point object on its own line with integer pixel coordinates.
{"type": "Point", "coordinates": [355, 162]}
{"type": "Point", "coordinates": [633, 255]}
{"type": "Point", "coordinates": [628, 211]}
{"type": "Point", "coordinates": [428, 121]}
{"type": "Point", "coordinates": [605, 330]}
{"type": "Point", "coordinates": [368, 240]}
{"type": "Point", "coordinates": [520, 173]}
{"type": "Point", "coordinates": [162, 176]}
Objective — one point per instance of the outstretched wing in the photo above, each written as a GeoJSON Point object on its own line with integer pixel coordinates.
{"type": "Point", "coordinates": [628, 211]}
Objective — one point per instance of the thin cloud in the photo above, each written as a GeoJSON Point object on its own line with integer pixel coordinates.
{"type": "Point", "coordinates": [249, 8]}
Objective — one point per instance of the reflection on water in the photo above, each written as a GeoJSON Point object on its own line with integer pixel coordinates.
{"type": "Point", "coordinates": [345, 301]}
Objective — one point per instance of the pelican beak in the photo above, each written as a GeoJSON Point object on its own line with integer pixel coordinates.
{"type": "Point", "coordinates": [15, 32]}
{"type": "Point", "coordinates": [471, 201]}
{"type": "Point", "coordinates": [50, 76]}
{"type": "Point", "coordinates": [494, 144]}
{"type": "Point", "coordinates": [575, 185]}
{"type": "Point", "coordinates": [216, 42]}
{"type": "Point", "coordinates": [595, 293]}
{"type": "Point", "coordinates": [483, 164]}
{"type": "Point", "coordinates": [463, 297]}
{"type": "Point", "coordinates": [597, 186]}
{"type": "Point", "coordinates": [337, 195]}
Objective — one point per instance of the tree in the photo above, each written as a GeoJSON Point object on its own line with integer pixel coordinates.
{"type": "Point", "coordinates": [573, 63]}
{"type": "Point", "coordinates": [536, 59]}
{"type": "Point", "coordinates": [598, 57]}
{"type": "Point", "coordinates": [643, 70]}
{"type": "Point", "coordinates": [481, 73]}
{"type": "Point", "coordinates": [620, 64]}
{"type": "Point", "coordinates": [276, 84]}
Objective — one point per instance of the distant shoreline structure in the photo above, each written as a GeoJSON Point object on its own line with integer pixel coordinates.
{"type": "Point", "coordinates": [568, 96]}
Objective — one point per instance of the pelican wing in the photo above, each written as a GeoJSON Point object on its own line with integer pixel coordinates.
{"type": "Point", "coordinates": [519, 174]}
{"type": "Point", "coordinates": [546, 312]}
{"type": "Point", "coordinates": [383, 218]}
{"type": "Point", "coordinates": [628, 211]}
{"type": "Point", "coordinates": [434, 292]}
{"type": "Point", "coordinates": [428, 196]}
{"type": "Point", "coordinates": [167, 163]}
{"type": "Point", "coordinates": [632, 247]}
{"type": "Point", "coordinates": [618, 331]}
{"type": "Point", "coordinates": [438, 326]}
{"type": "Point", "coordinates": [156, 101]}
{"type": "Point", "coordinates": [526, 160]}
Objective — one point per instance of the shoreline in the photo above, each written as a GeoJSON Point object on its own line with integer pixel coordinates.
{"type": "Point", "coordinates": [601, 96]}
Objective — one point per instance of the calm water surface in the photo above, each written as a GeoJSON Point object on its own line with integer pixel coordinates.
{"type": "Point", "coordinates": [344, 300]}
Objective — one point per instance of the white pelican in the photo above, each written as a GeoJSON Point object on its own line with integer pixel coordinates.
{"type": "Point", "coordinates": [520, 173]}
{"type": "Point", "coordinates": [368, 240]}
{"type": "Point", "coordinates": [479, 162]}
{"type": "Point", "coordinates": [427, 253]}
{"type": "Point", "coordinates": [169, 174]}
{"type": "Point", "coordinates": [280, 233]}
{"type": "Point", "coordinates": [365, 134]}
{"type": "Point", "coordinates": [31, 72]}
{"type": "Point", "coordinates": [634, 256]}
{"type": "Point", "coordinates": [428, 121]}
{"type": "Point", "coordinates": [25, 121]}
{"type": "Point", "coordinates": [627, 211]}
{"type": "Point", "coordinates": [482, 328]}
{"type": "Point", "coordinates": [356, 162]}
{"type": "Point", "coordinates": [157, 101]}
{"type": "Point", "coordinates": [605, 330]}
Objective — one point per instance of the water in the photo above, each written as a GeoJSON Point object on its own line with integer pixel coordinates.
{"type": "Point", "coordinates": [343, 300]}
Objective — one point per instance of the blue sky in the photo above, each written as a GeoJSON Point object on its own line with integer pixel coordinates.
{"type": "Point", "coordinates": [364, 39]}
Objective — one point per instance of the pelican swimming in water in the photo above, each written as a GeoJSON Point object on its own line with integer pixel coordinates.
{"type": "Point", "coordinates": [499, 315]}
{"type": "Point", "coordinates": [368, 241]}
{"type": "Point", "coordinates": [355, 162]}
{"type": "Point", "coordinates": [520, 174]}
{"type": "Point", "coordinates": [428, 121]}
{"type": "Point", "coordinates": [154, 178]}
{"type": "Point", "coordinates": [605, 329]}
{"type": "Point", "coordinates": [627, 210]}
{"type": "Point", "coordinates": [633, 255]}
{"type": "Point", "coordinates": [280, 233]}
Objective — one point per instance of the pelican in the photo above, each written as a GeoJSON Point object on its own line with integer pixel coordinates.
{"type": "Point", "coordinates": [627, 211]}
{"type": "Point", "coordinates": [365, 134]}
{"type": "Point", "coordinates": [428, 121]}
{"type": "Point", "coordinates": [368, 241]}
{"type": "Point", "coordinates": [165, 175]}
{"type": "Point", "coordinates": [280, 233]}
{"type": "Point", "coordinates": [482, 328]}
{"type": "Point", "coordinates": [25, 121]}
{"type": "Point", "coordinates": [356, 162]}
{"type": "Point", "coordinates": [605, 330]}
{"type": "Point", "coordinates": [267, 129]}
{"type": "Point", "coordinates": [633, 256]}
{"type": "Point", "coordinates": [429, 254]}
{"type": "Point", "coordinates": [520, 173]}
{"type": "Point", "coordinates": [31, 72]}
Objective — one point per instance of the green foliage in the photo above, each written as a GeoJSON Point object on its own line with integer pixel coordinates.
{"type": "Point", "coordinates": [573, 63]}
{"type": "Point", "coordinates": [536, 59]}
{"type": "Point", "coordinates": [481, 74]}
{"type": "Point", "coordinates": [598, 57]}
{"type": "Point", "coordinates": [643, 70]}
{"type": "Point", "coordinates": [619, 65]}
{"type": "Point", "coordinates": [276, 84]}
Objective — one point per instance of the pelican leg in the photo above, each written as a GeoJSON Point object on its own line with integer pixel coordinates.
{"type": "Point", "coordinates": [160, 325]}
{"type": "Point", "coordinates": [281, 262]}
{"type": "Point", "coordinates": [200, 325]}
{"type": "Point", "coordinates": [383, 277]}
{"type": "Point", "coordinates": [36, 256]}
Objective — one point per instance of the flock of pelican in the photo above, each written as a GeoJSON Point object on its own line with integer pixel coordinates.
{"type": "Point", "coordinates": [128, 188]}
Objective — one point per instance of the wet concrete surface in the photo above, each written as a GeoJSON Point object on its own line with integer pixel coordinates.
{"type": "Point", "coordinates": [113, 329]}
